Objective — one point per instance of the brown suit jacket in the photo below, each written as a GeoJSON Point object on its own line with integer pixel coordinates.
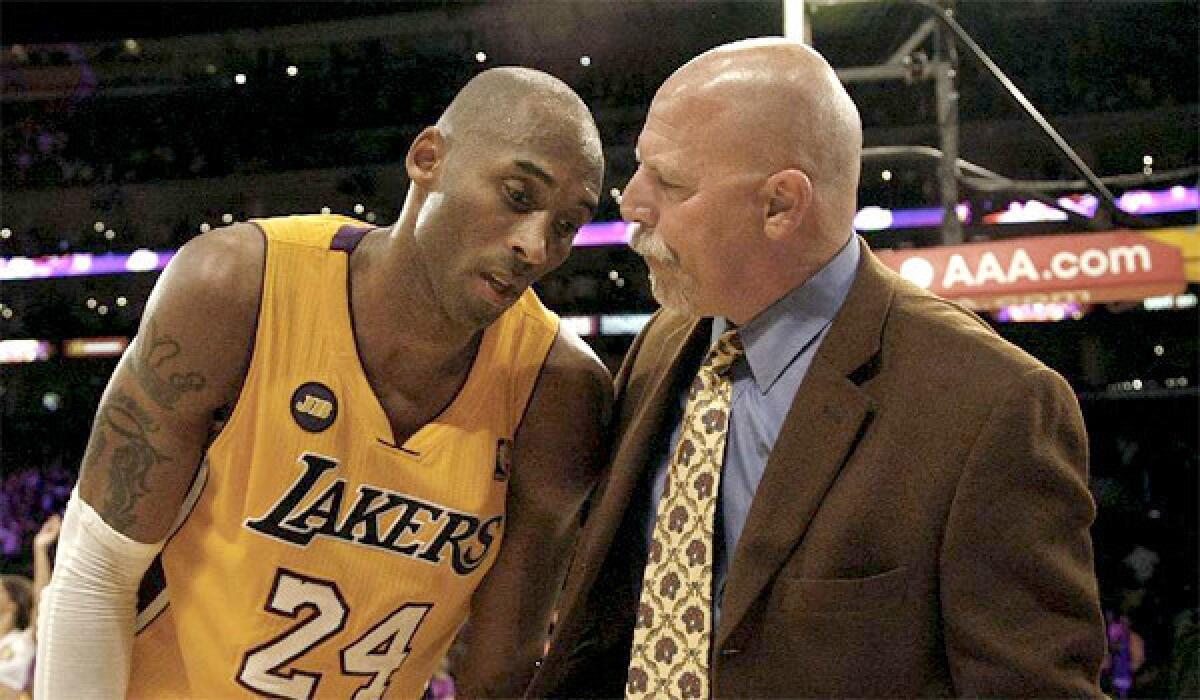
{"type": "Point", "coordinates": [921, 528]}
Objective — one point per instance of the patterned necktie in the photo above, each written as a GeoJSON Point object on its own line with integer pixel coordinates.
{"type": "Point", "coordinates": [674, 620]}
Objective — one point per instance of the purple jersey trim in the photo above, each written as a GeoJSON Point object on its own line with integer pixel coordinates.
{"type": "Point", "coordinates": [348, 237]}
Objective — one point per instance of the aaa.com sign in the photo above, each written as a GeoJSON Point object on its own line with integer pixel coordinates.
{"type": "Point", "coordinates": [1089, 268]}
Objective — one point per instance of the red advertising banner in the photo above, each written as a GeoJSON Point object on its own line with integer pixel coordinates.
{"type": "Point", "coordinates": [1086, 268]}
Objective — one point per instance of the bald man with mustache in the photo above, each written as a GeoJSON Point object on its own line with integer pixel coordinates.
{"type": "Point", "coordinates": [825, 482]}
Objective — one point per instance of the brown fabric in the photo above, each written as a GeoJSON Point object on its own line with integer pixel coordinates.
{"type": "Point", "coordinates": [921, 528]}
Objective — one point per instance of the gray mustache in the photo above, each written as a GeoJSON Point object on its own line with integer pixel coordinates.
{"type": "Point", "coordinates": [646, 243]}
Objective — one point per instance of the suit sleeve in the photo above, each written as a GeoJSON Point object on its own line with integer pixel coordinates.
{"type": "Point", "coordinates": [1019, 599]}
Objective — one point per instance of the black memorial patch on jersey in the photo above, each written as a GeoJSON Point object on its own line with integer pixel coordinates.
{"type": "Point", "coordinates": [314, 407]}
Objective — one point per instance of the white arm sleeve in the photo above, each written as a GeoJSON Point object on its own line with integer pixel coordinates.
{"type": "Point", "coordinates": [86, 614]}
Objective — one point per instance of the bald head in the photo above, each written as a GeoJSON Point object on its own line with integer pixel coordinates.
{"type": "Point", "coordinates": [780, 105]}
{"type": "Point", "coordinates": [516, 105]}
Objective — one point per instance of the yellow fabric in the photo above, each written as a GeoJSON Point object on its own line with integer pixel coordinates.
{"type": "Point", "coordinates": [673, 633]}
{"type": "Point", "coordinates": [334, 540]}
{"type": "Point", "coordinates": [1187, 239]}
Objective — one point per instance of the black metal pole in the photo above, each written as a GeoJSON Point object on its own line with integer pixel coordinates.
{"type": "Point", "coordinates": [945, 86]}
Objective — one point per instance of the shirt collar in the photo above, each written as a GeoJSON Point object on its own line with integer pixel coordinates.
{"type": "Point", "coordinates": [774, 338]}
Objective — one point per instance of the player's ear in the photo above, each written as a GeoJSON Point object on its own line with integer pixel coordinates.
{"type": "Point", "coordinates": [425, 155]}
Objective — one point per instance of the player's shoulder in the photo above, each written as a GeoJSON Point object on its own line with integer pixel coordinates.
{"type": "Point", "coordinates": [222, 253]}
{"type": "Point", "coordinates": [226, 264]}
{"type": "Point", "coordinates": [571, 404]}
{"type": "Point", "coordinates": [227, 261]}
{"type": "Point", "coordinates": [568, 353]}
{"type": "Point", "coordinates": [571, 354]}
{"type": "Point", "coordinates": [206, 304]}
{"type": "Point", "coordinates": [573, 373]}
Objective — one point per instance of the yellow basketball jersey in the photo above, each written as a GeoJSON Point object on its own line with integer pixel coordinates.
{"type": "Point", "coordinates": [315, 558]}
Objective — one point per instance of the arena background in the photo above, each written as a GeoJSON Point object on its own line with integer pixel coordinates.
{"type": "Point", "coordinates": [128, 128]}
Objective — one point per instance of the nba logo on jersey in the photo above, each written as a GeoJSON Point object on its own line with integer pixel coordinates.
{"type": "Point", "coordinates": [314, 407]}
{"type": "Point", "coordinates": [503, 460]}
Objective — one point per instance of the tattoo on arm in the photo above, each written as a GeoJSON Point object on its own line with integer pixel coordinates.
{"type": "Point", "coordinates": [153, 352]}
{"type": "Point", "coordinates": [132, 457]}
{"type": "Point", "coordinates": [99, 441]}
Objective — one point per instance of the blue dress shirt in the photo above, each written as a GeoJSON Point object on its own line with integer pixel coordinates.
{"type": "Point", "coordinates": [780, 344]}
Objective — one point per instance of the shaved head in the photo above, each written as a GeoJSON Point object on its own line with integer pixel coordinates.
{"type": "Point", "coordinates": [780, 105]}
{"type": "Point", "coordinates": [516, 105]}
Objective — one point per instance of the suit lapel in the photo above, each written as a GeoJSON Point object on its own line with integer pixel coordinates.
{"type": "Point", "coordinates": [813, 443]}
{"type": "Point", "coordinates": [823, 425]}
{"type": "Point", "coordinates": [647, 408]}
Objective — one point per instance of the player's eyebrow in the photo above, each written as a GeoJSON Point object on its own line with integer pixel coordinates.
{"type": "Point", "coordinates": [537, 171]}
{"type": "Point", "coordinates": [540, 173]}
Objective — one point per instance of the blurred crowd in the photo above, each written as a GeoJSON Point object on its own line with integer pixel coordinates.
{"type": "Point", "coordinates": [1144, 481]}
{"type": "Point", "coordinates": [28, 498]}
{"type": "Point", "coordinates": [19, 596]}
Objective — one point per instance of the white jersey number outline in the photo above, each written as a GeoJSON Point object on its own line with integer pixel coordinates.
{"type": "Point", "coordinates": [378, 653]}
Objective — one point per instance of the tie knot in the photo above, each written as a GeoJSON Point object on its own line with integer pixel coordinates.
{"type": "Point", "coordinates": [721, 356]}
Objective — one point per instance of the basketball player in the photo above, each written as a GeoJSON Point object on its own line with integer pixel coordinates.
{"type": "Point", "coordinates": [406, 434]}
